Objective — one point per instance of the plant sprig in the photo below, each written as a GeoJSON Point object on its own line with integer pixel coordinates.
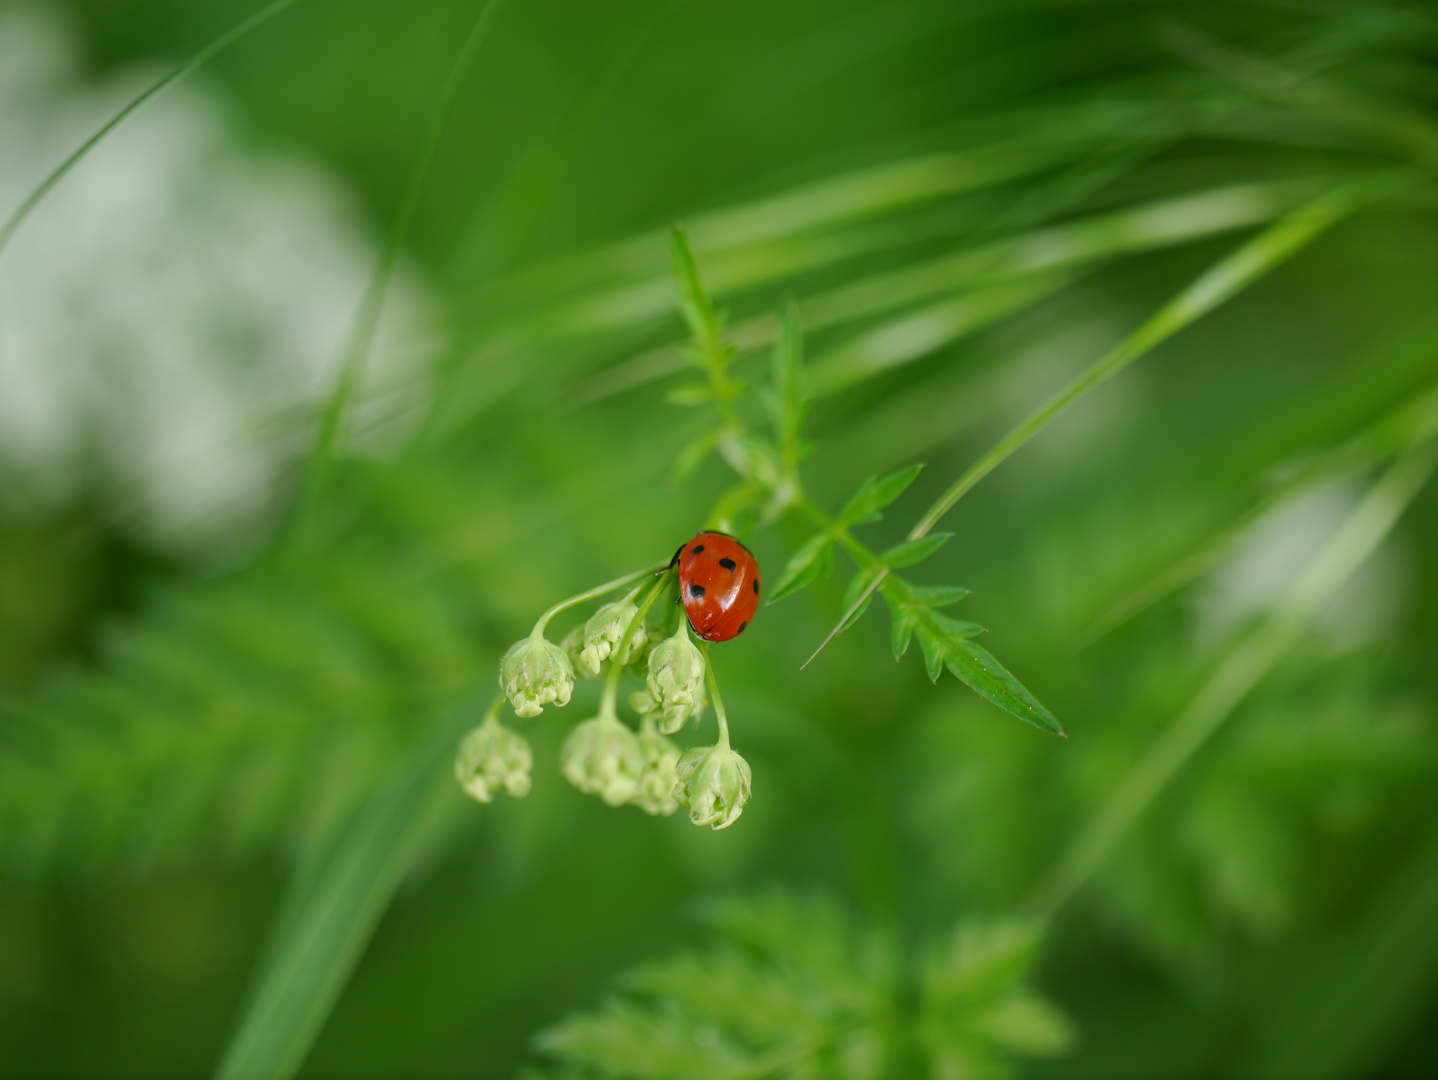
{"type": "Point", "coordinates": [769, 469]}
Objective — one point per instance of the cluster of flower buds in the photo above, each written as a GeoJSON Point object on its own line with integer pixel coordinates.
{"type": "Point", "coordinates": [493, 758]}
{"type": "Point", "coordinates": [604, 756]}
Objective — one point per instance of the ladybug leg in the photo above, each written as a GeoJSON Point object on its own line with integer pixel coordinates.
{"type": "Point", "coordinates": [674, 561]}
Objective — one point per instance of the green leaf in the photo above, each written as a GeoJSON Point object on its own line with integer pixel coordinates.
{"type": "Point", "coordinates": [851, 595]}
{"type": "Point", "coordinates": [875, 493]}
{"type": "Point", "coordinates": [932, 647]}
{"type": "Point", "coordinates": [814, 558]}
{"type": "Point", "coordinates": [946, 643]}
{"type": "Point", "coordinates": [899, 640]}
{"type": "Point", "coordinates": [939, 596]}
{"type": "Point", "coordinates": [335, 908]}
{"type": "Point", "coordinates": [913, 551]}
{"type": "Point", "coordinates": [978, 669]}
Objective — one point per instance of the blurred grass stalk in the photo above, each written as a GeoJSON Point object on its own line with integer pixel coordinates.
{"type": "Point", "coordinates": [1247, 664]}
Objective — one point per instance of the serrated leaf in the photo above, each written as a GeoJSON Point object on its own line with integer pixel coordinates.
{"type": "Point", "coordinates": [913, 551]}
{"type": "Point", "coordinates": [851, 595]}
{"type": "Point", "coordinates": [933, 651]}
{"type": "Point", "coordinates": [939, 596]}
{"type": "Point", "coordinates": [804, 566]}
{"type": "Point", "coordinates": [902, 621]}
{"type": "Point", "coordinates": [955, 628]}
{"type": "Point", "coordinates": [875, 493]}
{"type": "Point", "coordinates": [981, 671]}
{"type": "Point", "coordinates": [688, 460]}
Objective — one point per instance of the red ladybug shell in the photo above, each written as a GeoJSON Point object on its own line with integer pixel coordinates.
{"type": "Point", "coordinates": [718, 585]}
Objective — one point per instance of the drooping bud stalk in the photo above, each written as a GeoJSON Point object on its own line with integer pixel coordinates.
{"type": "Point", "coordinates": [493, 758]}
{"type": "Point", "coordinates": [655, 794]}
{"type": "Point", "coordinates": [714, 782]}
{"type": "Point", "coordinates": [534, 673]}
{"type": "Point", "coordinates": [602, 756]}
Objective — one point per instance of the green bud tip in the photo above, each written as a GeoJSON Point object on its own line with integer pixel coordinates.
{"type": "Point", "coordinates": [604, 629]}
{"type": "Point", "coordinates": [493, 758]}
{"type": "Point", "coordinates": [714, 783]}
{"type": "Point", "coordinates": [535, 673]}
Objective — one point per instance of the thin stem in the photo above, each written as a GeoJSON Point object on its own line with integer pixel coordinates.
{"type": "Point", "coordinates": [616, 661]}
{"type": "Point", "coordinates": [1321, 579]}
{"type": "Point", "coordinates": [226, 39]}
{"type": "Point", "coordinates": [332, 420]}
{"type": "Point", "coordinates": [638, 619]}
{"type": "Point", "coordinates": [596, 592]}
{"type": "Point", "coordinates": [1219, 283]}
{"type": "Point", "coordinates": [491, 714]}
{"type": "Point", "coordinates": [713, 685]}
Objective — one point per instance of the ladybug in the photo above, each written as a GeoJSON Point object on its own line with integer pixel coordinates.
{"type": "Point", "coordinates": [718, 585]}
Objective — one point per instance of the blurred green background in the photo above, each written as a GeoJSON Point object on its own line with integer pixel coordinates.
{"type": "Point", "coordinates": [202, 717]}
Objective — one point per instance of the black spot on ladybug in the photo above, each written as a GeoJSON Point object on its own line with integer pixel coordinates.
{"type": "Point", "coordinates": [741, 628]}
{"type": "Point", "coordinates": [728, 564]}
{"type": "Point", "coordinates": [756, 586]}
{"type": "Point", "coordinates": [696, 591]}
{"type": "Point", "coordinates": [696, 549]}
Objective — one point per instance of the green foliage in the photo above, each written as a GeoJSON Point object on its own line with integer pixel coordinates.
{"type": "Point", "coordinates": [978, 249]}
{"type": "Point", "coordinates": [790, 990]}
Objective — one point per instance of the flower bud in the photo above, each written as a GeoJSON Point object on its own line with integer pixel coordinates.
{"type": "Point", "coordinates": [676, 716]}
{"type": "Point", "coordinates": [603, 757]}
{"type": "Point", "coordinates": [493, 758]}
{"type": "Point", "coordinates": [676, 673]}
{"type": "Point", "coordinates": [713, 784]}
{"type": "Point", "coordinates": [573, 647]}
{"type": "Point", "coordinates": [641, 647]}
{"type": "Point", "coordinates": [606, 626]}
{"type": "Point", "coordinates": [655, 794]}
{"type": "Point", "coordinates": [534, 673]}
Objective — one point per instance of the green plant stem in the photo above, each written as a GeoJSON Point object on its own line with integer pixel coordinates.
{"type": "Point", "coordinates": [596, 592]}
{"type": "Point", "coordinates": [337, 407]}
{"type": "Point", "coordinates": [1221, 282]}
{"type": "Point", "coordinates": [638, 620]}
{"type": "Point", "coordinates": [1244, 667]}
{"type": "Point", "coordinates": [616, 664]}
{"type": "Point", "coordinates": [713, 684]}
{"type": "Point", "coordinates": [229, 37]}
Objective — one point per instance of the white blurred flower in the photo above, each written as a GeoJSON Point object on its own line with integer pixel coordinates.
{"type": "Point", "coordinates": [173, 310]}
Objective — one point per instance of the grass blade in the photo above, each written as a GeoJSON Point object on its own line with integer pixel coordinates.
{"type": "Point", "coordinates": [1240, 672]}
{"type": "Point", "coordinates": [332, 419]}
{"type": "Point", "coordinates": [182, 72]}
{"type": "Point", "coordinates": [334, 910]}
{"type": "Point", "coordinates": [1219, 283]}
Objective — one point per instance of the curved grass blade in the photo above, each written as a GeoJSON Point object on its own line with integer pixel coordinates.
{"type": "Point", "coordinates": [332, 419]}
{"type": "Point", "coordinates": [1413, 421]}
{"type": "Point", "coordinates": [1219, 283]}
{"type": "Point", "coordinates": [186, 69]}
{"type": "Point", "coordinates": [1240, 672]}
{"type": "Point", "coordinates": [334, 909]}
